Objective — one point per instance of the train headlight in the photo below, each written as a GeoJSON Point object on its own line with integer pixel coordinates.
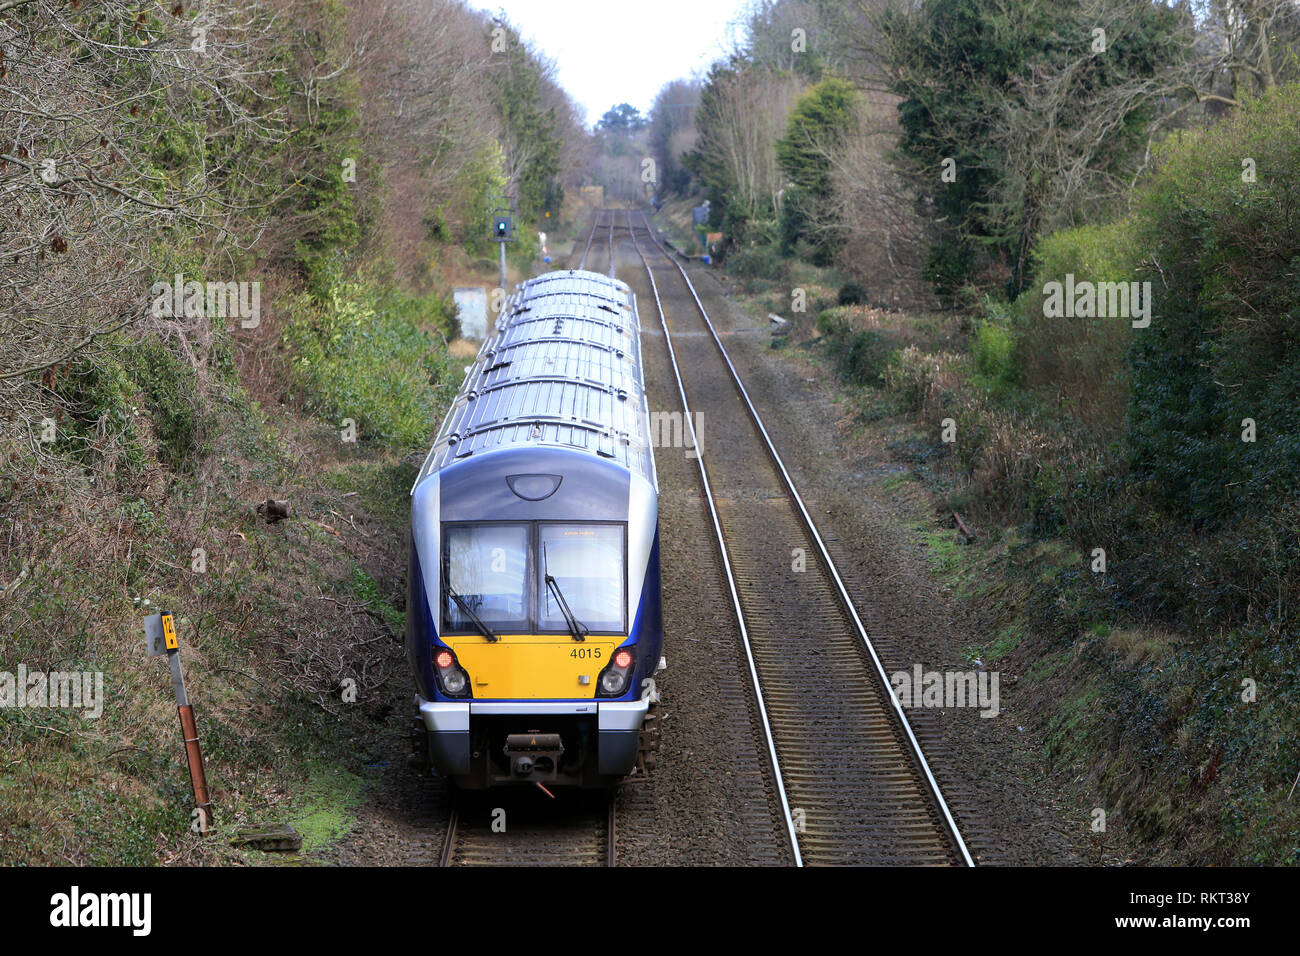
{"type": "Point", "coordinates": [615, 677]}
{"type": "Point", "coordinates": [613, 682]}
{"type": "Point", "coordinates": [452, 680]}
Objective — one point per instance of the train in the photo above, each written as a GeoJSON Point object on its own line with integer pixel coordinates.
{"type": "Point", "coordinates": [534, 620]}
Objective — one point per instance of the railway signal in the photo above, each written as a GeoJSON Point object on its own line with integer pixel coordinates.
{"type": "Point", "coordinates": [503, 231]}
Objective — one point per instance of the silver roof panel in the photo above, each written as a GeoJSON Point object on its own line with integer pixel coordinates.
{"type": "Point", "coordinates": [561, 369]}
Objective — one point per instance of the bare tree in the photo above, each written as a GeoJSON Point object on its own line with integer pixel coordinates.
{"type": "Point", "coordinates": [740, 119]}
{"type": "Point", "coordinates": [88, 190]}
{"type": "Point", "coordinates": [672, 131]}
{"type": "Point", "coordinates": [877, 221]}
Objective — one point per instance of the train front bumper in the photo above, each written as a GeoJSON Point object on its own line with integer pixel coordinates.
{"type": "Point", "coordinates": [618, 724]}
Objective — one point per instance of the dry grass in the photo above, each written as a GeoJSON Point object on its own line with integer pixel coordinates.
{"type": "Point", "coordinates": [268, 632]}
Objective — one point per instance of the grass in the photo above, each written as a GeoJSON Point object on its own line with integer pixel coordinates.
{"type": "Point", "coordinates": [266, 633]}
{"type": "Point", "coordinates": [894, 482]}
{"type": "Point", "coordinates": [368, 592]}
{"type": "Point", "coordinates": [944, 554]}
{"type": "Point", "coordinates": [325, 813]}
{"type": "Point", "coordinates": [1006, 640]}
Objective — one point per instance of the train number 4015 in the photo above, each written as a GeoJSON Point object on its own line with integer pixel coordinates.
{"type": "Point", "coordinates": [585, 652]}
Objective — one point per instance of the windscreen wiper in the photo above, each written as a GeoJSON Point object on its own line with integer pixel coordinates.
{"type": "Point", "coordinates": [576, 627]}
{"type": "Point", "coordinates": [468, 611]}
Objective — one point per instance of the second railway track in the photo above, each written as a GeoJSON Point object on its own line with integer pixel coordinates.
{"type": "Point", "coordinates": [855, 782]}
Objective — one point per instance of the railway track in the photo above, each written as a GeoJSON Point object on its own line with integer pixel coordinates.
{"type": "Point", "coordinates": [595, 225]}
{"type": "Point", "coordinates": [528, 829]}
{"type": "Point", "coordinates": [852, 779]}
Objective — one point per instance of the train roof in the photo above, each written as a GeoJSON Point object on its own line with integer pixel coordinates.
{"type": "Point", "coordinates": [562, 369]}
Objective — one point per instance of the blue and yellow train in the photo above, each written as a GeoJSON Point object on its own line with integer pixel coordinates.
{"type": "Point", "coordinates": [534, 623]}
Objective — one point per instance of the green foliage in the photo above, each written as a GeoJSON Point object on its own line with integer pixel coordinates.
{"type": "Point", "coordinates": [326, 131]}
{"type": "Point", "coordinates": [170, 389]}
{"type": "Point", "coordinates": [1080, 358]}
{"type": "Point", "coordinates": [958, 55]}
{"type": "Point", "coordinates": [1224, 342]}
{"type": "Point", "coordinates": [479, 186]}
{"type": "Point", "coordinates": [852, 293]}
{"type": "Point", "coordinates": [367, 354]}
{"type": "Point", "coordinates": [530, 126]}
{"type": "Point", "coordinates": [816, 128]}
{"type": "Point", "coordinates": [949, 264]}
{"type": "Point", "coordinates": [757, 262]}
{"type": "Point", "coordinates": [622, 119]}
{"type": "Point", "coordinates": [369, 593]}
{"type": "Point", "coordinates": [861, 355]}
{"type": "Point", "coordinates": [1105, 252]}
{"type": "Point", "coordinates": [817, 125]}
{"type": "Point", "coordinates": [708, 166]}
{"type": "Point", "coordinates": [967, 72]}
{"type": "Point", "coordinates": [101, 398]}
{"type": "Point", "coordinates": [327, 812]}
{"type": "Point", "coordinates": [993, 353]}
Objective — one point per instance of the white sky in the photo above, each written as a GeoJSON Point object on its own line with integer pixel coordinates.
{"type": "Point", "coordinates": [622, 51]}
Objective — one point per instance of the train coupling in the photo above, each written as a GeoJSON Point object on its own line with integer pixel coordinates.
{"type": "Point", "coordinates": [534, 756]}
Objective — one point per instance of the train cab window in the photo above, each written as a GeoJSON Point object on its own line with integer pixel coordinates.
{"type": "Point", "coordinates": [587, 563]}
{"type": "Point", "coordinates": [486, 577]}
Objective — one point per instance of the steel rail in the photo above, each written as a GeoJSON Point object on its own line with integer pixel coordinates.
{"type": "Point", "coordinates": [828, 562]}
{"type": "Point", "coordinates": [482, 847]}
{"type": "Point", "coordinates": [596, 222]}
{"type": "Point", "coordinates": [449, 841]}
{"type": "Point", "coordinates": [726, 560]}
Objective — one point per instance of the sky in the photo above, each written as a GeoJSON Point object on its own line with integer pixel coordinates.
{"type": "Point", "coordinates": [622, 51]}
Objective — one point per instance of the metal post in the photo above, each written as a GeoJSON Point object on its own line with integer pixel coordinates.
{"type": "Point", "coordinates": [160, 638]}
{"type": "Point", "coordinates": [198, 779]}
{"type": "Point", "coordinates": [503, 231]}
{"type": "Point", "coordinates": [502, 247]}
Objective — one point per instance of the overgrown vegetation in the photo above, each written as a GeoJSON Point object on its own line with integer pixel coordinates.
{"type": "Point", "coordinates": [374, 355]}
{"type": "Point", "coordinates": [336, 165]}
{"type": "Point", "coordinates": [1102, 373]}
{"type": "Point", "coordinates": [1142, 553]}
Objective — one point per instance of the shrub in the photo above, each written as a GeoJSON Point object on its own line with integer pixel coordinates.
{"type": "Point", "coordinates": [860, 354]}
{"type": "Point", "coordinates": [1224, 341]}
{"type": "Point", "coordinates": [852, 293]}
{"type": "Point", "coordinates": [757, 262]}
{"type": "Point", "coordinates": [993, 351]}
{"type": "Point", "coordinates": [363, 355]}
{"type": "Point", "coordinates": [102, 426]}
{"type": "Point", "coordinates": [170, 388]}
{"type": "Point", "coordinates": [1082, 360]}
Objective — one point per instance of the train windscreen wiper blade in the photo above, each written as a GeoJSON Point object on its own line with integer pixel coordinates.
{"type": "Point", "coordinates": [468, 611]}
{"type": "Point", "coordinates": [576, 628]}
